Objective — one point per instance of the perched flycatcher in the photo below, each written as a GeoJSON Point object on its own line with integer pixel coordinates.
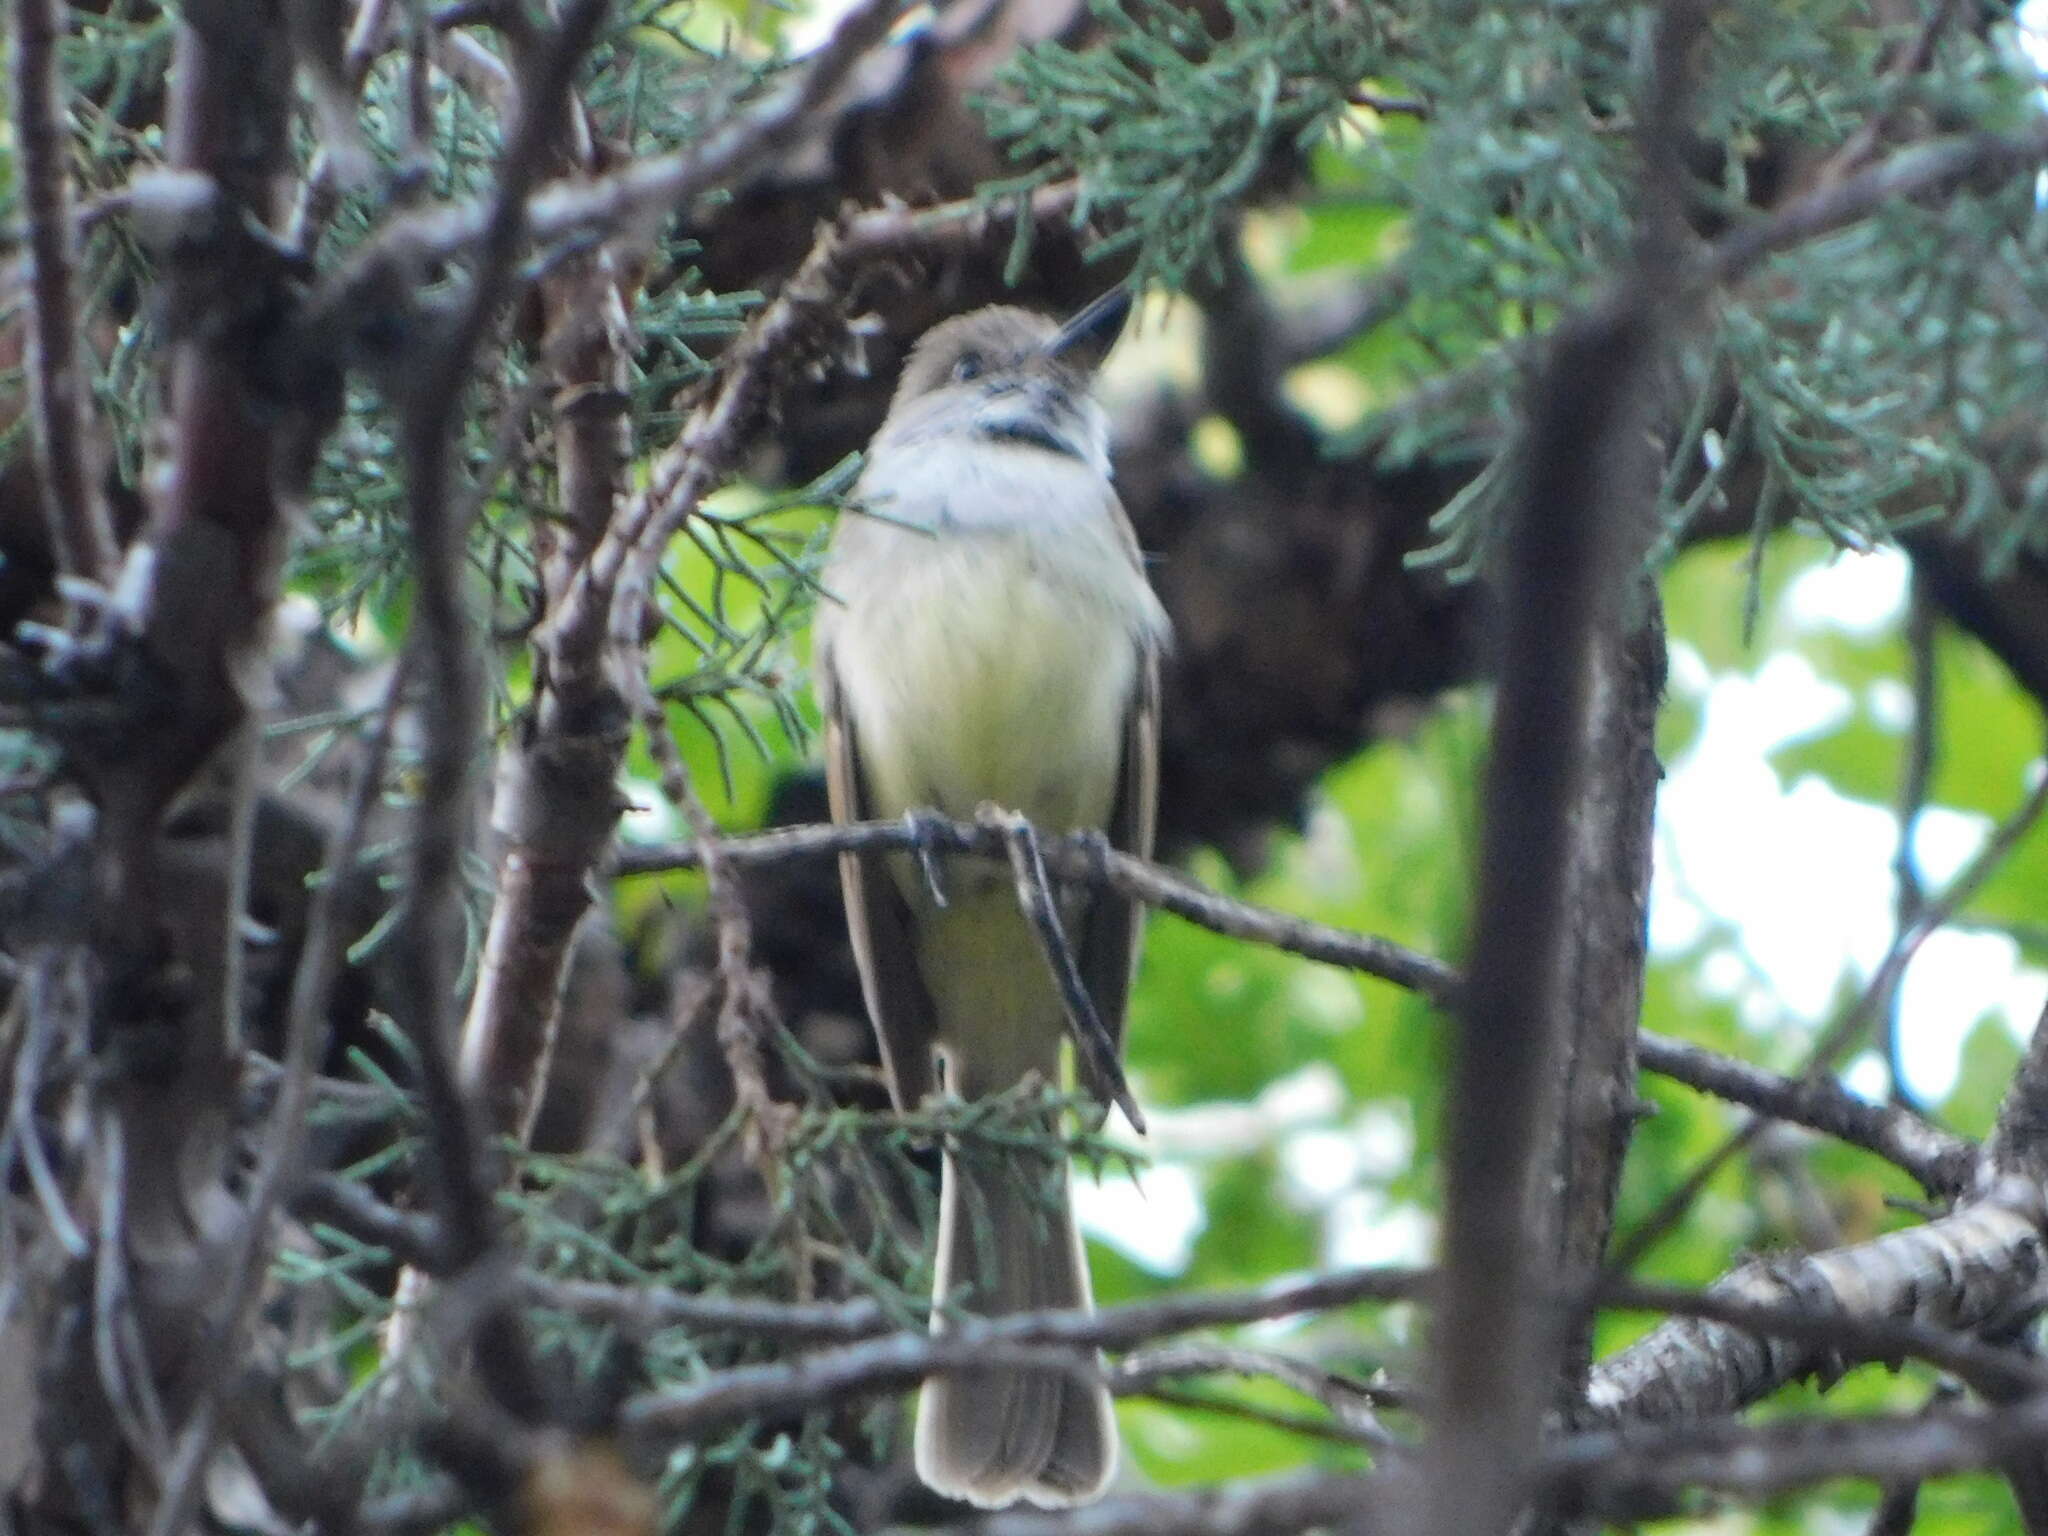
{"type": "Point", "coordinates": [990, 637]}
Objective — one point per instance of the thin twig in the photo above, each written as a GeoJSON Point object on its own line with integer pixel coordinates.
{"type": "Point", "coordinates": [1035, 898]}
{"type": "Point", "coordinates": [318, 194]}
{"type": "Point", "coordinates": [1351, 1403]}
{"type": "Point", "coordinates": [52, 980]}
{"type": "Point", "coordinates": [688, 1013]}
{"type": "Point", "coordinates": [443, 635]}
{"type": "Point", "coordinates": [1944, 1163]}
{"type": "Point", "coordinates": [118, 1353]}
{"type": "Point", "coordinates": [347, 1206]}
{"type": "Point", "coordinates": [1915, 777]}
{"type": "Point", "coordinates": [1327, 1427]}
{"type": "Point", "coordinates": [80, 534]}
{"type": "Point", "coordinates": [1912, 61]}
{"type": "Point", "coordinates": [745, 1009]}
{"type": "Point", "coordinates": [461, 1185]}
{"type": "Point", "coordinates": [631, 202]}
{"type": "Point", "coordinates": [1079, 859]}
{"type": "Point", "coordinates": [1918, 172]}
{"type": "Point", "coordinates": [906, 1357]}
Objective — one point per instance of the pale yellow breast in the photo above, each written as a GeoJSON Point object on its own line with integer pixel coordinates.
{"type": "Point", "coordinates": [990, 669]}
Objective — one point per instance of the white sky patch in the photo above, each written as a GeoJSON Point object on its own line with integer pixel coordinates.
{"type": "Point", "coordinates": [1155, 1219]}
{"type": "Point", "coordinates": [2031, 30]}
{"type": "Point", "coordinates": [1890, 703]}
{"type": "Point", "coordinates": [811, 25]}
{"type": "Point", "coordinates": [648, 817]}
{"type": "Point", "coordinates": [1801, 877]}
{"type": "Point", "coordinates": [1320, 1165]}
{"type": "Point", "coordinates": [1955, 980]}
{"type": "Point", "coordinates": [1861, 594]}
{"type": "Point", "coordinates": [1361, 1223]}
{"type": "Point", "coordinates": [1866, 1077]}
{"type": "Point", "coordinates": [1365, 1227]}
{"type": "Point", "coordinates": [1306, 1098]}
{"type": "Point", "coordinates": [1152, 1220]}
{"type": "Point", "coordinates": [2032, 17]}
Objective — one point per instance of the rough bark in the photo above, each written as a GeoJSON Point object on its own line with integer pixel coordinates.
{"type": "Point", "coordinates": [1960, 1272]}
{"type": "Point", "coordinates": [556, 800]}
{"type": "Point", "coordinates": [156, 1001]}
{"type": "Point", "coordinates": [1609, 884]}
{"type": "Point", "coordinates": [1561, 696]}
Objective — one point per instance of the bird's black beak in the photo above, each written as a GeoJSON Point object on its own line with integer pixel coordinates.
{"type": "Point", "coordinates": [1088, 336]}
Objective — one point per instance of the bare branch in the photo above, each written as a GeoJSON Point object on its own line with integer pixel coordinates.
{"type": "Point", "coordinates": [1940, 1161]}
{"type": "Point", "coordinates": [1568, 544]}
{"type": "Point", "coordinates": [1944, 1163]}
{"type": "Point", "coordinates": [80, 533]}
{"type": "Point", "coordinates": [1080, 860]}
{"type": "Point", "coordinates": [2019, 1148]}
{"type": "Point", "coordinates": [1912, 60]}
{"type": "Point", "coordinates": [2019, 1142]}
{"type": "Point", "coordinates": [1896, 1511]}
{"type": "Point", "coordinates": [319, 193]}
{"type": "Point", "coordinates": [556, 800]}
{"type": "Point", "coordinates": [1955, 1274]}
{"type": "Point", "coordinates": [1918, 172]}
{"type": "Point", "coordinates": [1279, 1506]}
{"type": "Point", "coordinates": [442, 637]}
{"type": "Point", "coordinates": [632, 201]}
{"type": "Point", "coordinates": [1636, 1473]}
{"type": "Point", "coordinates": [1351, 1403]}
{"type": "Point", "coordinates": [905, 1358]}
{"type": "Point", "coordinates": [305, 1029]}
{"type": "Point", "coordinates": [744, 1007]}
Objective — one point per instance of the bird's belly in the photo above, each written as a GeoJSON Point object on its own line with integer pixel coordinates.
{"type": "Point", "coordinates": [989, 678]}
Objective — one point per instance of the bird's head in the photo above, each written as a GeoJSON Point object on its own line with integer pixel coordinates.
{"type": "Point", "coordinates": [1008, 375]}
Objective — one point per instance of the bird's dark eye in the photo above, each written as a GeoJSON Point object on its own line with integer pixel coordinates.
{"type": "Point", "coordinates": [968, 368]}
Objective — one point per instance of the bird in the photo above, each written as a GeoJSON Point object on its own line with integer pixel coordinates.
{"type": "Point", "coordinates": [988, 637]}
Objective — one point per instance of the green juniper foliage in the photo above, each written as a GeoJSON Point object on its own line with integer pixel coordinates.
{"type": "Point", "coordinates": [1171, 126]}
{"type": "Point", "coordinates": [1888, 373]}
{"type": "Point", "coordinates": [1514, 200]}
{"type": "Point", "coordinates": [848, 1208]}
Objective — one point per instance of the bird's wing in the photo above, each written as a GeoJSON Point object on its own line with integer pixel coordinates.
{"type": "Point", "coordinates": [877, 919]}
{"type": "Point", "coordinates": [1109, 936]}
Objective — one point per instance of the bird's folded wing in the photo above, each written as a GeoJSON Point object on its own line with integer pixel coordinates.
{"type": "Point", "coordinates": [1108, 944]}
{"type": "Point", "coordinates": [876, 916]}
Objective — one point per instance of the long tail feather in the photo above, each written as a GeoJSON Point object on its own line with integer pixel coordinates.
{"type": "Point", "coordinates": [992, 1437]}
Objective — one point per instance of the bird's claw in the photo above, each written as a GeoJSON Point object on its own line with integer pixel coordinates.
{"type": "Point", "coordinates": [923, 827]}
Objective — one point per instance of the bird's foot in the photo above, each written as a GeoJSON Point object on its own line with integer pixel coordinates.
{"type": "Point", "coordinates": [929, 834]}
